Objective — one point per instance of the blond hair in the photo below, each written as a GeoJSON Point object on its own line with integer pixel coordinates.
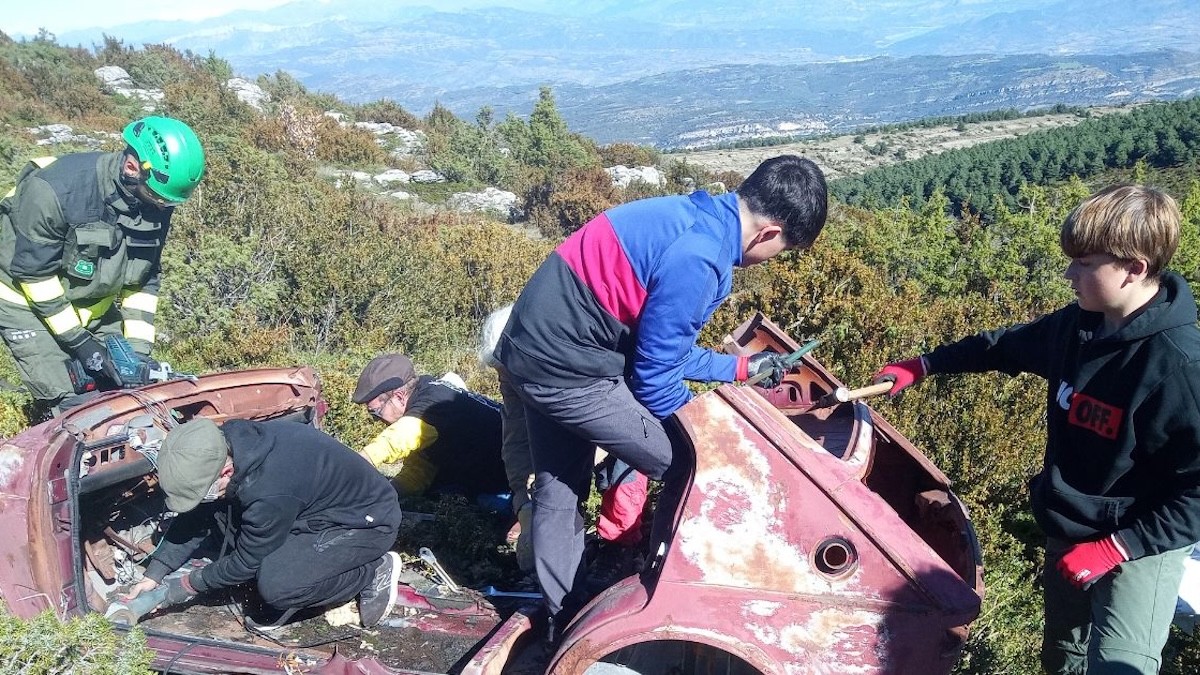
{"type": "Point", "coordinates": [1129, 222]}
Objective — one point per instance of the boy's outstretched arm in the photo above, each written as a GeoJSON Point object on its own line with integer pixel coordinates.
{"type": "Point", "coordinates": [902, 374]}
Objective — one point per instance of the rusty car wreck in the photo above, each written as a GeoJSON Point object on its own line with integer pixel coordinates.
{"type": "Point", "coordinates": [809, 539]}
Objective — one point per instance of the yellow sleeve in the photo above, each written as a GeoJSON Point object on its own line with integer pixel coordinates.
{"type": "Point", "coordinates": [402, 438]}
{"type": "Point", "coordinates": [416, 475]}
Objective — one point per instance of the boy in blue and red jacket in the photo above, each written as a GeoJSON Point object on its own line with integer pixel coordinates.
{"type": "Point", "coordinates": [604, 334]}
{"type": "Point", "coordinates": [1118, 495]}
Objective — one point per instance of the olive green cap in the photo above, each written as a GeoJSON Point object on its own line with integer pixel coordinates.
{"type": "Point", "coordinates": [190, 461]}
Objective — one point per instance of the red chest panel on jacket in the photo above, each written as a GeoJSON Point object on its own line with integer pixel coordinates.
{"type": "Point", "coordinates": [1095, 415]}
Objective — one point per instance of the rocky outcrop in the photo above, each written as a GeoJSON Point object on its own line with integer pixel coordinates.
{"type": "Point", "coordinates": [488, 200]}
{"type": "Point", "coordinates": [622, 176]}
{"type": "Point", "coordinates": [55, 134]}
{"type": "Point", "coordinates": [115, 80]}
{"type": "Point", "coordinates": [403, 143]}
{"type": "Point", "coordinates": [392, 176]}
{"type": "Point", "coordinates": [360, 177]}
{"type": "Point", "coordinates": [426, 176]}
{"type": "Point", "coordinates": [249, 93]}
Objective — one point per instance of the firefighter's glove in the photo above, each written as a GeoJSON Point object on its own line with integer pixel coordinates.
{"type": "Point", "coordinates": [179, 590]}
{"type": "Point", "coordinates": [770, 363]}
{"type": "Point", "coordinates": [95, 359]}
{"type": "Point", "coordinates": [1084, 563]}
{"type": "Point", "coordinates": [902, 374]}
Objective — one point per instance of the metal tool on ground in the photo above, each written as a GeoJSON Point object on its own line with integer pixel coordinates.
{"type": "Point", "coordinates": [788, 360]}
{"type": "Point", "coordinates": [844, 395]}
{"type": "Point", "coordinates": [431, 560]}
{"type": "Point", "coordinates": [130, 612]}
{"type": "Point", "coordinates": [493, 592]}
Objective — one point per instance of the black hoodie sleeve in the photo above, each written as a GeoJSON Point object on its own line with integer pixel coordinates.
{"type": "Point", "coordinates": [1021, 348]}
{"type": "Point", "coordinates": [265, 526]}
{"type": "Point", "coordinates": [1171, 433]}
{"type": "Point", "coordinates": [183, 536]}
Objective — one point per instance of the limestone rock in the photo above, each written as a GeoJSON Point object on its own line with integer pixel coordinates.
{"type": "Point", "coordinates": [54, 134]}
{"type": "Point", "coordinates": [403, 141]}
{"type": "Point", "coordinates": [247, 92]}
{"type": "Point", "coordinates": [622, 176]}
{"type": "Point", "coordinates": [427, 176]}
{"type": "Point", "coordinates": [490, 200]}
{"type": "Point", "coordinates": [391, 176]}
{"type": "Point", "coordinates": [116, 80]}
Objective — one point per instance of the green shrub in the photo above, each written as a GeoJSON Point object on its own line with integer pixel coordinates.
{"type": "Point", "coordinates": [471, 154]}
{"type": "Point", "coordinates": [89, 644]}
{"type": "Point", "coordinates": [61, 78]}
{"type": "Point", "coordinates": [347, 146]}
{"type": "Point", "coordinates": [155, 66]}
{"type": "Point", "coordinates": [387, 110]}
{"type": "Point", "coordinates": [628, 154]}
{"type": "Point", "coordinates": [565, 201]}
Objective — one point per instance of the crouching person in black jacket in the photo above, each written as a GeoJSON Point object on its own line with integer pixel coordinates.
{"type": "Point", "coordinates": [305, 518]}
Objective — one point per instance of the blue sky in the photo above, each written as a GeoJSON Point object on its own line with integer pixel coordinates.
{"type": "Point", "coordinates": [60, 16]}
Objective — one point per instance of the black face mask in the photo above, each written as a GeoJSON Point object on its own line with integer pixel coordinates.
{"type": "Point", "coordinates": [135, 189]}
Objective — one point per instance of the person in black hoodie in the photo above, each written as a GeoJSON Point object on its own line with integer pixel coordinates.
{"type": "Point", "coordinates": [1118, 496]}
{"type": "Point", "coordinates": [309, 521]}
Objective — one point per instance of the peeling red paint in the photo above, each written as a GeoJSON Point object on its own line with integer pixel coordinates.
{"type": "Point", "coordinates": [765, 494]}
{"type": "Point", "coordinates": [743, 574]}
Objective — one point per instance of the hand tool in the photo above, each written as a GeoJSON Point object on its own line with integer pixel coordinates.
{"type": "Point", "coordinates": [789, 360]}
{"type": "Point", "coordinates": [491, 592]}
{"type": "Point", "coordinates": [431, 560]}
{"type": "Point", "coordinates": [844, 395]}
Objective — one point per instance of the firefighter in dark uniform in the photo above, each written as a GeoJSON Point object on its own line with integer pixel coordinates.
{"type": "Point", "coordinates": [80, 242]}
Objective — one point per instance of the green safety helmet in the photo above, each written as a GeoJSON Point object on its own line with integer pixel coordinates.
{"type": "Point", "coordinates": [169, 153]}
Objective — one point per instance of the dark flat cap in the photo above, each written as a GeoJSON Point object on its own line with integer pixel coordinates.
{"type": "Point", "coordinates": [384, 373]}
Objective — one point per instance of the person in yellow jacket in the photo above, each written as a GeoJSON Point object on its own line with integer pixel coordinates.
{"type": "Point", "coordinates": [81, 238]}
{"type": "Point", "coordinates": [447, 438]}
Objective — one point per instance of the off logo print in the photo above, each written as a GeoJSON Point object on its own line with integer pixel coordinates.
{"type": "Point", "coordinates": [1099, 417]}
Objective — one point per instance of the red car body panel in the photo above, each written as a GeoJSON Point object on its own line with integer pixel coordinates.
{"type": "Point", "coordinates": [785, 556]}
{"type": "Point", "coordinates": [806, 541]}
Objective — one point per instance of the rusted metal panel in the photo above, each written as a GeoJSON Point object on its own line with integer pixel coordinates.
{"type": "Point", "coordinates": [806, 541]}
{"type": "Point", "coordinates": [794, 556]}
{"type": "Point", "coordinates": [497, 651]}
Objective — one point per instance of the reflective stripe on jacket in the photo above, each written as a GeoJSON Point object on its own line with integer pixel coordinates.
{"type": "Point", "coordinates": [73, 241]}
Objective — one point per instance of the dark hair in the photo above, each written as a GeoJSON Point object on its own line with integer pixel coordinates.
{"type": "Point", "coordinates": [790, 190]}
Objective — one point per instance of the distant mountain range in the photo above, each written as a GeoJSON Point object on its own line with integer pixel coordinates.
{"type": "Point", "coordinates": [675, 73]}
{"type": "Point", "coordinates": [704, 107]}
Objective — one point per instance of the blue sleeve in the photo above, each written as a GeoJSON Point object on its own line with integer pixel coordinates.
{"type": "Point", "coordinates": [679, 300]}
{"type": "Point", "coordinates": [706, 365]}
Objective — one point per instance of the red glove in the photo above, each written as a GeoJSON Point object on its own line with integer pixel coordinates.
{"type": "Point", "coordinates": [901, 374]}
{"type": "Point", "coordinates": [1084, 563]}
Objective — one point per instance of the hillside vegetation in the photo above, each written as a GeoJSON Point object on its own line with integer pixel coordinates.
{"type": "Point", "coordinates": [273, 264]}
{"type": "Point", "coordinates": [871, 148]}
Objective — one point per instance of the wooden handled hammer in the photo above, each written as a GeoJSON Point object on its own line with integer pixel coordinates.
{"type": "Point", "coordinates": [844, 395]}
